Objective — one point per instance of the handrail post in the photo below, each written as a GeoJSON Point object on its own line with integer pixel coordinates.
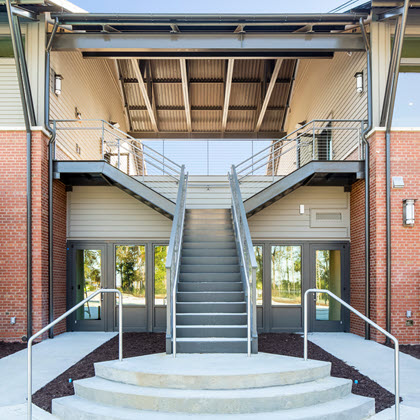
{"type": "Point", "coordinates": [61, 318]}
{"type": "Point", "coordinates": [119, 152]}
{"type": "Point", "coordinates": [313, 141]}
{"type": "Point", "coordinates": [370, 322]}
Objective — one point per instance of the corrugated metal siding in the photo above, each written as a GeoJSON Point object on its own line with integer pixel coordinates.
{"type": "Point", "coordinates": [90, 86]}
{"type": "Point", "coordinates": [107, 213]}
{"type": "Point", "coordinates": [327, 89]}
{"type": "Point", "coordinates": [282, 220]}
{"type": "Point", "coordinates": [11, 114]}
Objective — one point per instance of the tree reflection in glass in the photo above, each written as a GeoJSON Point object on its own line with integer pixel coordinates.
{"type": "Point", "coordinates": [130, 273]}
{"type": "Point", "coordinates": [286, 275]}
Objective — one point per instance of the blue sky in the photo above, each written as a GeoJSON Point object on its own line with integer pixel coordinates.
{"type": "Point", "coordinates": [208, 6]}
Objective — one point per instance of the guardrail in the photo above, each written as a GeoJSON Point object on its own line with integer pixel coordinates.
{"type": "Point", "coordinates": [316, 140]}
{"type": "Point", "coordinates": [103, 140]}
{"type": "Point", "coordinates": [174, 257]}
{"type": "Point", "coordinates": [248, 261]}
{"type": "Point", "coordinates": [61, 318]}
{"type": "Point", "coordinates": [370, 322]}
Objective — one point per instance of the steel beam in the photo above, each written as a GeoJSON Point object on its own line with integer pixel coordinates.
{"type": "Point", "coordinates": [267, 97]}
{"type": "Point", "coordinates": [185, 92]}
{"type": "Point", "coordinates": [200, 135]}
{"type": "Point", "coordinates": [277, 43]}
{"type": "Point", "coordinates": [228, 88]}
{"type": "Point", "coordinates": [143, 90]}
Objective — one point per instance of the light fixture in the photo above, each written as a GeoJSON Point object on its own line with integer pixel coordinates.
{"type": "Point", "coordinates": [408, 212]}
{"type": "Point", "coordinates": [57, 84]}
{"type": "Point", "coordinates": [114, 124]}
{"type": "Point", "coordinates": [77, 114]}
{"type": "Point", "coordinates": [359, 82]}
{"type": "Point", "coordinates": [301, 208]}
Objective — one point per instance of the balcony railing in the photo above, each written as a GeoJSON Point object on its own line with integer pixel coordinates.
{"type": "Point", "coordinates": [102, 140]}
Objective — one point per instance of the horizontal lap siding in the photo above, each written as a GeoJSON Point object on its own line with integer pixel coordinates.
{"type": "Point", "coordinates": [107, 213]}
{"type": "Point", "coordinates": [11, 114]}
{"type": "Point", "coordinates": [282, 219]}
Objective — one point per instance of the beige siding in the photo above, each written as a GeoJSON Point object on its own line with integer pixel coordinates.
{"type": "Point", "coordinates": [326, 89]}
{"type": "Point", "coordinates": [282, 220]}
{"type": "Point", "coordinates": [11, 114]}
{"type": "Point", "coordinates": [92, 87]}
{"type": "Point", "coordinates": [109, 213]}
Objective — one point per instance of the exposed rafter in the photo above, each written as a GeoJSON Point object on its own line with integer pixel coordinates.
{"type": "Point", "coordinates": [267, 97]}
{"type": "Point", "coordinates": [143, 90]}
{"type": "Point", "coordinates": [185, 92]}
{"type": "Point", "coordinates": [228, 88]}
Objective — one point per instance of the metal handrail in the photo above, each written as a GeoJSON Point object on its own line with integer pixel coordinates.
{"type": "Point", "coordinates": [174, 255]}
{"type": "Point", "coordinates": [370, 322]}
{"type": "Point", "coordinates": [245, 246]}
{"type": "Point", "coordinates": [295, 131]}
{"type": "Point", "coordinates": [59, 319]}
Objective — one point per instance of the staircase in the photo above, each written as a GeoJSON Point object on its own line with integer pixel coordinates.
{"type": "Point", "coordinates": [211, 307]}
{"type": "Point", "coordinates": [213, 387]}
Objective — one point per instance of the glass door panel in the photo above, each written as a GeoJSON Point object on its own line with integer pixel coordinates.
{"type": "Point", "coordinates": [258, 249]}
{"type": "Point", "coordinates": [328, 276]}
{"type": "Point", "coordinates": [130, 273]}
{"type": "Point", "coordinates": [160, 252]}
{"type": "Point", "coordinates": [286, 275]}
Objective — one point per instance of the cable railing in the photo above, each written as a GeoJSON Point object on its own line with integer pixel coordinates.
{"type": "Point", "coordinates": [95, 139]}
{"type": "Point", "coordinates": [173, 258]}
{"type": "Point", "coordinates": [370, 322]}
{"type": "Point", "coordinates": [323, 140]}
{"type": "Point", "coordinates": [61, 318]}
{"type": "Point", "coordinates": [247, 258]}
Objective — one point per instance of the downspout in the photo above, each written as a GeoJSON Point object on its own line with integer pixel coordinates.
{"type": "Point", "coordinates": [388, 164]}
{"type": "Point", "coordinates": [18, 60]}
{"type": "Point", "coordinates": [50, 181]}
{"type": "Point", "coordinates": [367, 178]}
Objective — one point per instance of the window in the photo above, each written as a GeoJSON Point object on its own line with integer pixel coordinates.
{"type": "Point", "coordinates": [160, 253]}
{"type": "Point", "coordinates": [286, 275]}
{"type": "Point", "coordinates": [258, 249]}
{"type": "Point", "coordinates": [6, 47]}
{"type": "Point", "coordinates": [130, 273]}
{"type": "Point", "coordinates": [407, 100]}
{"type": "Point", "coordinates": [88, 281]}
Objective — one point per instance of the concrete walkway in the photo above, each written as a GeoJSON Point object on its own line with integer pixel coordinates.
{"type": "Point", "coordinates": [377, 362]}
{"type": "Point", "coordinates": [50, 359]}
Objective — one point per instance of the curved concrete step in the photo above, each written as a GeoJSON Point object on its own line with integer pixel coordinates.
{"type": "Point", "coordinates": [253, 400]}
{"type": "Point", "coordinates": [211, 371]}
{"type": "Point", "coordinates": [352, 407]}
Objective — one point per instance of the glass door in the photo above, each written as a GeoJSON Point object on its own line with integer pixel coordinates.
{"type": "Point", "coordinates": [87, 277]}
{"type": "Point", "coordinates": [159, 287]}
{"type": "Point", "coordinates": [329, 270]}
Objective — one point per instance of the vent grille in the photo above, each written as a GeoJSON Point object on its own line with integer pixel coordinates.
{"type": "Point", "coordinates": [336, 217]}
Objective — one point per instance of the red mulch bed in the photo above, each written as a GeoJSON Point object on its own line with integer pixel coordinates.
{"type": "Point", "coordinates": [139, 344]}
{"type": "Point", "coordinates": [7, 348]}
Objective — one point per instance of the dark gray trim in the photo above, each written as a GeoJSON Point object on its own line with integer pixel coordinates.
{"type": "Point", "coordinates": [96, 169]}
{"type": "Point", "coordinates": [346, 172]}
{"type": "Point", "coordinates": [209, 43]}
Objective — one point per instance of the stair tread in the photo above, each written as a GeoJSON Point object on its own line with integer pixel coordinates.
{"type": "Point", "coordinates": [233, 394]}
{"type": "Point", "coordinates": [209, 326]}
{"type": "Point", "coordinates": [332, 409]}
{"type": "Point", "coordinates": [211, 313]}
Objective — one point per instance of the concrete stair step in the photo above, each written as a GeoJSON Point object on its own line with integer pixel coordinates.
{"type": "Point", "coordinates": [211, 371]}
{"type": "Point", "coordinates": [219, 286]}
{"type": "Point", "coordinates": [210, 277]}
{"type": "Point", "coordinates": [210, 296]}
{"type": "Point", "coordinates": [209, 268]}
{"type": "Point", "coordinates": [208, 260]}
{"type": "Point", "coordinates": [211, 318]}
{"type": "Point", "coordinates": [209, 244]}
{"type": "Point", "coordinates": [209, 252]}
{"type": "Point", "coordinates": [210, 307]}
{"type": "Point", "coordinates": [221, 331]}
{"type": "Point", "coordinates": [234, 401]}
{"type": "Point", "coordinates": [352, 407]}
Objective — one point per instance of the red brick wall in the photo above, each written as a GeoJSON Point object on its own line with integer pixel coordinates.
{"type": "Point", "coordinates": [13, 234]}
{"type": "Point", "coordinates": [405, 161]}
